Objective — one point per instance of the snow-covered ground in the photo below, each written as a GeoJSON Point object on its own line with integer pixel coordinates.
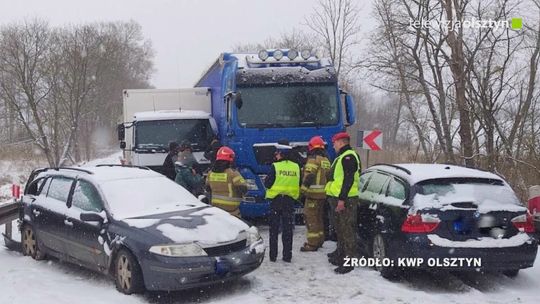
{"type": "Point", "coordinates": [308, 279]}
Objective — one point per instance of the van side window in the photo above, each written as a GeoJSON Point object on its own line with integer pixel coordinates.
{"type": "Point", "coordinates": [396, 189]}
{"type": "Point", "coordinates": [86, 197]}
{"type": "Point", "coordinates": [59, 188]}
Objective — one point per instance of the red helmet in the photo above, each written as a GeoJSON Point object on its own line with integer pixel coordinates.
{"type": "Point", "coordinates": [225, 153]}
{"type": "Point", "coordinates": [315, 142]}
{"type": "Point", "coordinates": [340, 135]}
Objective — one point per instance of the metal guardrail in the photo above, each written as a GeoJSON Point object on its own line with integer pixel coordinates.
{"type": "Point", "coordinates": [8, 213]}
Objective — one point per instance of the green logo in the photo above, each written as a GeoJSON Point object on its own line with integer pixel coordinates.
{"type": "Point", "coordinates": [517, 23]}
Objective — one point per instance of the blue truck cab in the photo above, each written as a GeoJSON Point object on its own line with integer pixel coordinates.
{"type": "Point", "coordinates": [258, 99]}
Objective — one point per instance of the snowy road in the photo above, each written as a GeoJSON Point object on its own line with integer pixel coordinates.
{"type": "Point", "coordinates": [309, 279]}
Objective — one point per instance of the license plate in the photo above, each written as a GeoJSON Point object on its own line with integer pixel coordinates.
{"type": "Point", "coordinates": [299, 211]}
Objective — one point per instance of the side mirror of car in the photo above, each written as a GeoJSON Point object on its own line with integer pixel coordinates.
{"type": "Point", "coordinates": [122, 145]}
{"type": "Point", "coordinates": [92, 217]}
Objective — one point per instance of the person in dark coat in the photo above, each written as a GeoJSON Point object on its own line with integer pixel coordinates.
{"type": "Point", "coordinates": [283, 190]}
{"type": "Point", "coordinates": [211, 153]}
{"type": "Point", "coordinates": [186, 176]}
{"type": "Point", "coordinates": [168, 165]}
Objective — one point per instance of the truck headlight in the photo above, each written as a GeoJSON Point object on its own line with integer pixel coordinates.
{"type": "Point", "coordinates": [251, 184]}
{"type": "Point", "coordinates": [252, 235]}
{"type": "Point", "coordinates": [179, 250]}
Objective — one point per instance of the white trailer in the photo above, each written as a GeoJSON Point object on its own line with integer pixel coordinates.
{"type": "Point", "coordinates": [152, 118]}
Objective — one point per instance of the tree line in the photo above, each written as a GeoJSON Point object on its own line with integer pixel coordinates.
{"type": "Point", "coordinates": [60, 87]}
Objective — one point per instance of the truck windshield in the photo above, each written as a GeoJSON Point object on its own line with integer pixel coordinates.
{"type": "Point", "coordinates": [157, 134]}
{"type": "Point", "coordinates": [288, 106]}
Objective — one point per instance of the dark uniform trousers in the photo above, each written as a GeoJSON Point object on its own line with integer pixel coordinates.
{"type": "Point", "coordinates": [346, 226]}
{"type": "Point", "coordinates": [281, 212]}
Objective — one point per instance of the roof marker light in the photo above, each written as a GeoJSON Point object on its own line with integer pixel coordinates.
{"type": "Point", "coordinates": [263, 55]}
{"type": "Point", "coordinates": [292, 54]}
{"type": "Point", "coordinates": [278, 54]}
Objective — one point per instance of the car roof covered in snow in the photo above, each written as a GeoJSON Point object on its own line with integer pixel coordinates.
{"type": "Point", "coordinates": [170, 114]}
{"type": "Point", "coordinates": [104, 173]}
{"type": "Point", "coordinates": [421, 172]}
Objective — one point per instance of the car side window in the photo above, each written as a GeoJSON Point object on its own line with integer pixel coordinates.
{"type": "Point", "coordinates": [59, 188]}
{"type": "Point", "coordinates": [86, 197]}
{"type": "Point", "coordinates": [363, 180]}
{"type": "Point", "coordinates": [396, 189]}
{"type": "Point", "coordinates": [376, 183]}
{"type": "Point", "coordinates": [36, 186]}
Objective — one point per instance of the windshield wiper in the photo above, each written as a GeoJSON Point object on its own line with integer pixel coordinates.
{"type": "Point", "coordinates": [149, 147]}
{"type": "Point", "coordinates": [267, 125]}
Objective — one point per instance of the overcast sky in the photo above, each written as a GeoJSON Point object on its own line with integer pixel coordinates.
{"type": "Point", "coordinates": [187, 35]}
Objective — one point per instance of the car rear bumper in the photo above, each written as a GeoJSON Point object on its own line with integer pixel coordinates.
{"type": "Point", "coordinates": [177, 273]}
{"type": "Point", "coordinates": [459, 258]}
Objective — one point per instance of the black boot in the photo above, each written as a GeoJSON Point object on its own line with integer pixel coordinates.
{"type": "Point", "coordinates": [343, 269]}
{"type": "Point", "coordinates": [336, 261]}
{"type": "Point", "coordinates": [332, 254]}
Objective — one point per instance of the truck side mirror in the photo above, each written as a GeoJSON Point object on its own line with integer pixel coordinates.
{"type": "Point", "coordinates": [350, 109]}
{"type": "Point", "coordinates": [238, 102]}
{"type": "Point", "coordinates": [121, 131]}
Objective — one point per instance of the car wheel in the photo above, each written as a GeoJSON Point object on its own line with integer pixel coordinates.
{"type": "Point", "coordinates": [30, 244]}
{"type": "Point", "coordinates": [379, 252]}
{"type": "Point", "coordinates": [511, 273]}
{"type": "Point", "coordinates": [127, 273]}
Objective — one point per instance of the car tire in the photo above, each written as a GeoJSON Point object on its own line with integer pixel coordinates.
{"type": "Point", "coordinates": [30, 243]}
{"type": "Point", "coordinates": [127, 273]}
{"type": "Point", "coordinates": [511, 273]}
{"type": "Point", "coordinates": [379, 249]}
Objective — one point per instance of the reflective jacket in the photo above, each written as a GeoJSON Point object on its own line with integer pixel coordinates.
{"type": "Point", "coordinates": [287, 180]}
{"type": "Point", "coordinates": [227, 188]}
{"type": "Point", "coordinates": [314, 181]}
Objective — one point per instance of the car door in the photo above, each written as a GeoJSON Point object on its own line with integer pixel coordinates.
{"type": "Point", "coordinates": [85, 238]}
{"type": "Point", "coordinates": [392, 209]}
{"type": "Point", "coordinates": [48, 213]}
{"type": "Point", "coordinates": [369, 196]}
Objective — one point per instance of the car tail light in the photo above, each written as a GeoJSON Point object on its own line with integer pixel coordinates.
{"type": "Point", "coordinates": [524, 223]}
{"type": "Point", "coordinates": [420, 223]}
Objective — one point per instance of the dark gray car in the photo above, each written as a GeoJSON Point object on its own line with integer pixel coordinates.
{"type": "Point", "coordinates": [137, 225]}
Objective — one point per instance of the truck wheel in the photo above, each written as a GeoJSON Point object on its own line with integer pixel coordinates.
{"type": "Point", "coordinates": [30, 244]}
{"type": "Point", "coordinates": [127, 273]}
{"type": "Point", "coordinates": [379, 252]}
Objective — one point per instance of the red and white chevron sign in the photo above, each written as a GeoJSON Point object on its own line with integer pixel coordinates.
{"type": "Point", "coordinates": [372, 139]}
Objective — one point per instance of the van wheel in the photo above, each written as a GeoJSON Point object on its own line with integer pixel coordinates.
{"type": "Point", "coordinates": [30, 243]}
{"type": "Point", "coordinates": [127, 273]}
{"type": "Point", "coordinates": [511, 273]}
{"type": "Point", "coordinates": [379, 252]}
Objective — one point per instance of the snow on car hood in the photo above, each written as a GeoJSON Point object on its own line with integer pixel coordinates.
{"type": "Point", "coordinates": [204, 225]}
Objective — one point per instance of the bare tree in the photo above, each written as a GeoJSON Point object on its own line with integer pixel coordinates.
{"type": "Point", "coordinates": [335, 24]}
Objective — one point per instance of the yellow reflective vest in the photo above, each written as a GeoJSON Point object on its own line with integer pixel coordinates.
{"type": "Point", "coordinates": [333, 187]}
{"type": "Point", "coordinates": [287, 180]}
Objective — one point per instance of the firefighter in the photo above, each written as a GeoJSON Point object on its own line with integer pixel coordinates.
{"type": "Point", "coordinates": [226, 184]}
{"type": "Point", "coordinates": [282, 189]}
{"type": "Point", "coordinates": [313, 184]}
{"type": "Point", "coordinates": [342, 192]}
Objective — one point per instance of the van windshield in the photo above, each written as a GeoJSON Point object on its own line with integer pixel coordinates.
{"type": "Point", "coordinates": [156, 134]}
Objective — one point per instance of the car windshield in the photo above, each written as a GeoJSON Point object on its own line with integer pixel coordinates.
{"type": "Point", "coordinates": [484, 192]}
{"type": "Point", "coordinates": [157, 134]}
{"type": "Point", "coordinates": [144, 196]}
{"type": "Point", "coordinates": [288, 106]}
